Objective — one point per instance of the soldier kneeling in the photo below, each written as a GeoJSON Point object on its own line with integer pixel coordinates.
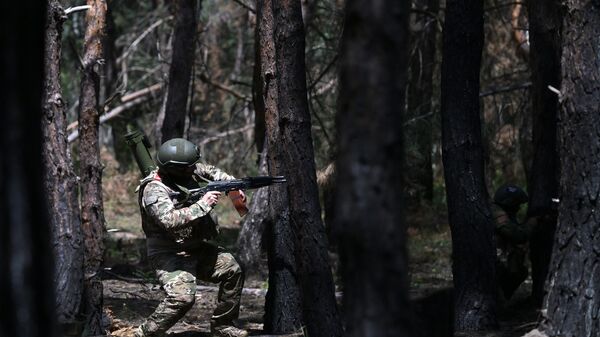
{"type": "Point", "coordinates": [511, 238]}
{"type": "Point", "coordinates": [176, 235]}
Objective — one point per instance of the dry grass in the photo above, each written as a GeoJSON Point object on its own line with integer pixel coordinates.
{"type": "Point", "coordinates": [121, 209]}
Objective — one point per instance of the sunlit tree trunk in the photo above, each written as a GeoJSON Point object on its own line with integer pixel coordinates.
{"type": "Point", "coordinates": [301, 290]}
{"type": "Point", "coordinates": [60, 181]}
{"type": "Point", "coordinates": [474, 249]}
{"type": "Point", "coordinates": [572, 302]}
{"type": "Point", "coordinates": [92, 213]}
{"type": "Point", "coordinates": [369, 211]}
{"type": "Point", "coordinates": [545, 22]}
{"type": "Point", "coordinates": [26, 264]}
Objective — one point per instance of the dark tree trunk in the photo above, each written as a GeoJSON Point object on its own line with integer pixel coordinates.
{"type": "Point", "coordinates": [26, 264]}
{"type": "Point", "coordinates": [545, 22]}
{"type": "Point", "coordinates": [420, 94]}
{"type": "Point", "coordinates": [111, 75]}
{"type": "Point", "coordinates": [283, 305]}
{"type": "Point", "coordinates": [180, 72]}
{"type": "Point", "coordinates": [474, 249]}
{"type": "Point", "coordinates": [264, 91]}
{"type": "Point", "coordinates": [92, 213]}
{"type": "Point", "coordinates": [60, 181]}
{"type": "Point", "coordinates": [571, 304]}
{"type": "Point", "coordinates": [250, 240]}
{"type": "Point", "coordinates": [301, 289]}
{"type": "Point", "coordinates": [369, 213]}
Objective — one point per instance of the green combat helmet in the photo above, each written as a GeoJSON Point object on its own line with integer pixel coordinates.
{"type": "Point", "coordinates": [176, 155]}
{"type": "Point", "coordinates": [510, 196]}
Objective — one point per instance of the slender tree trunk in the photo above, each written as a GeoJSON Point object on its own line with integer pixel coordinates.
{"type": "Point", "coordinates": [420, 88]}
{"type": "Point", "coordinates": [369, 217]}
{"type": "Point", "coordinates": [111, 76]}
{"type": "Point", "coordinates": [60, 181]}
{"type": "Point", "coordinates": [545, 22]}
{"type": "Point", "coordinates": [183, 51]}
{"type": "Point", "coordinates": [572, 302]}
{"type": "Point", "coordinates": [301, 290]}
{"type": "Point", "coordinates": [474, 250]}
{"type": "Point", "coordinates": [26, 264]}
{"type": "Point", "coordinates": [92, 213]}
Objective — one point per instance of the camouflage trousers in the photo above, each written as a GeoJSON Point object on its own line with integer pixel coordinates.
{"type": "Point", "coordinates": [177, 273]}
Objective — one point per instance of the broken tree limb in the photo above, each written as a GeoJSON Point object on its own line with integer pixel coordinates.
{"type": "Point", "coordinates": [133, 99]}
{"type": "Point", "coordinates": [224, 88]}
{"type": "Point", "coordinates": [75, 9]}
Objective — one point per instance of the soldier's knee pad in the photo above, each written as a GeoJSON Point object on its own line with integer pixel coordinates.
{"type": "Point", "coordinates": [181, 289]}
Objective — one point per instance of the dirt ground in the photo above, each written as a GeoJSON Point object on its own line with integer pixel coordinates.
{"type": "Point", "coordinates": [131, 292]}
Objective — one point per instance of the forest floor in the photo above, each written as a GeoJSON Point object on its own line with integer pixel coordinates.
{"type": "Point", "coordinates": [131, 291]}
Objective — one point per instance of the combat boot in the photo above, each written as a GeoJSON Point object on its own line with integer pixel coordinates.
{"type": "Point", "coordinates": [228, 331]}
{"type": "Point", "coordinates": [141, 332]}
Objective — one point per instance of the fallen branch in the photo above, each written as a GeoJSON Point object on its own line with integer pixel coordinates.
{"type": "Point", "coordinates": [224, 88]}
{"type": "Point", "coordinates": [225, 134]}
{"type": "Point", "coordinates": [134, 99]}
{"type": "Point", "coordinates": [75, 9]}
{"type": "Point", "coordinates": [239, 2]}
{"type": "Point", "coordinates": [491, 92]}
{"type": "Point", "coordinates": [137, 41]}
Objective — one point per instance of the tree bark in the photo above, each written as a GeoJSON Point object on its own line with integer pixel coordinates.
{"type": "Point", "coordinates": [92, 213]}
{"type": "Point", "coordinates": [369, 214]}
{"type": "Point", "coordinates": [60, 181]}
{"type": "Point", "coordinates": [474, 250]}
{"type": "Point", "coordinates": [26, 264]}
{"type": "Point", "coordinates": [183, 51]}
{"type": "Point", "coordinates": [301, 290]}
{"type": "Point", "coordinates": [264, 91]}
{"type": "Point", "coordinates": [545, 22]}
{"type": "Point", "coordinates": [420, 88]}
{"type": "Point", "coordinates": [571, 304]}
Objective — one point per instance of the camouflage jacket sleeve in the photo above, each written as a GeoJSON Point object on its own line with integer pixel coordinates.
{"type": "Point", "coordinates": [211, 172]}
{"type": "Point", "coordinates": [160, 208]}
{"type": "Point", "coordinates": [510, 230]}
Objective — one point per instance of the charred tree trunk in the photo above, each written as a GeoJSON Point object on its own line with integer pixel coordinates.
{"type": "Point", "coordinates": [474, 250]}
{"type": "Point", "coordinates": [420, 93]}
{"type": "Point", "coordinates": [545, 22]}
{"type": "Point", "coordinates": [264, 91]}
{"type": "Point", "coordinates": [283, 304]}
{"type": "Point", "coordinates": [180, 72]}
{"type": "Point", "coordinates": [369, 225]}
{"type": "Point", "coordinates": [572, 300]}
{"type": "Point", "coordinates": [301, 290]}
{"type": "Point", "coordinates": [92, 213]}
{"type": "Point", "coordinates": [60, 181]}
{"type": "Point", "coordinates": [26, 263]}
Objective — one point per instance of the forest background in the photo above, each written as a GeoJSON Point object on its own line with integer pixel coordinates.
{"type": "Point", "coordinates": [197, 69]}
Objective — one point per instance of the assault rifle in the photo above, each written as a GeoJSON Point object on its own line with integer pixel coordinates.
{"type": "Point", "coordinates": [140, 146]}
{"type": "Point", "coordinates": [226, 186]}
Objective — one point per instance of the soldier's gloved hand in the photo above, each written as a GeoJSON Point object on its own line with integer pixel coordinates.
{"type": "Point", "coordinates": [211, 198]}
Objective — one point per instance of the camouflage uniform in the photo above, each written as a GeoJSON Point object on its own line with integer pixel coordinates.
{"type": "Point", "coordinates": [511, 245]}
{"type": "Point", "coordinates": [178, 251]}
